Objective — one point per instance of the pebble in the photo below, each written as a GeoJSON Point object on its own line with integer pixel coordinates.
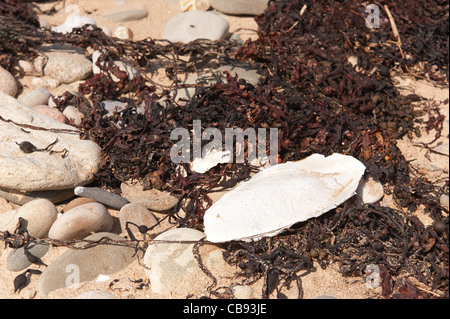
{"type": "Point", "coordinates": [40, 214]}
{"type": "Point", "coordinates": [9, 85]}
{"type": "Point", "coordinates": [76, 202]}
{"type": "Point", "coordinates": [123, 33]}
{"type": "Point", "coordinates": [41, 170]}
{"type": "Point", "coordinates": [101, 196]}
{"type": "Point", "coordinates": [36, 97]}
{"type": "Point", "coordinates": [189, 5]}
{"type": "Point", "coordinates": [51, 112]}
{"type": "Point", "coordinates": [97, 294]}
{"type": "Point", "coordinates": [66, 64]}
{"type": "Point", "coordinates": [125, 16]}
{"type": "Point", "coordinates": [240, 7]}
{"type": "Point", "coordinates": [152, 199]}
{"type": "Point", "coordinates": [73, 114]}
{"type": "Point", "coordinates": [44, 82]}
{"type": "Point", "coordinates": [193, 25]}
{"type": "Point", "coordinates": [137, 214]}
{"type": "Point", "coordinates": [370, 190]}
{"type": "Point", "coordinates": [21, 198]}
{"type": "Point", "coordinates": [17, 260]}
{"type": "Point", "coordinates": [73, 21]}
{"type": "Point", "coordinates": [79, 265]}
{"type": "Point", "coordinates": [170, 263]}
{"type": "Point", "coordinates": [81, 221]}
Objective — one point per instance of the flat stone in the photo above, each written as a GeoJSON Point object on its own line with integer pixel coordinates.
{"type": "Point", "coordinates": [36, 97]}
{"type": "Point", "coordinates": [9, 84]}
{"type": "Point", "coordinates": [77, 266]}
{"type": "Point", "coordinates": [81, 221]}
{"type": "Point", "coordinates": [125, 16]}
{"type": "Point", "coordinates": [152, 199]}
{"type": "Point", "coordinates": [17, 260]}
{"type": "Point", "coordinates": [40, 214]}
{"type": "Point", "coordinates": [21, 198]}
{"type": "Point", "coordinates": [240, 7]}
{"type": "Point", "coordinates": [193, 25]}
{"type": "Point", "coordinates": [66, 64]}
{"type": "Point", "coordinates": [41, 170]}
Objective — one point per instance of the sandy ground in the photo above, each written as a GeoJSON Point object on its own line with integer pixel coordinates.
{"type": "Point", "coordinates": [320, 282]}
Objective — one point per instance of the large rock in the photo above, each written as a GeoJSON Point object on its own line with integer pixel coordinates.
{"type": "Point", "coordinates": [76, 266]}
{"type": "Point", "coordinates": [193, 25]}
{"type": "Point", "coordinates": [41, 170]}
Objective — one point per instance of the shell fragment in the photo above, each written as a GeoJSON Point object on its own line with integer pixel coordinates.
{"type": "Point", "coordinates": [282, 195]}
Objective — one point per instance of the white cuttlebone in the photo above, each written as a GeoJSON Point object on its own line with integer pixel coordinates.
{"type": "Point", "coordinates": [278, 197]}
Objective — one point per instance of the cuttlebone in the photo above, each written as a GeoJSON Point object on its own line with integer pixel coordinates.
{"type": "Point", "coordinates": [279, 196]}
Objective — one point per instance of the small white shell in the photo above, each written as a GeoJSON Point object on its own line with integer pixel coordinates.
{"type": "Point", "coordinates": [282, 195]}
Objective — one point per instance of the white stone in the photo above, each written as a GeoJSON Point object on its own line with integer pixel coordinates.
{"type": "Point", "coordinates": [8, 83]}
{"type": "Point", "coordinates": [279, 196]}
{"type": "Point", "coordinates": [370, 190]}
{"type": "Point", "coordinates": [193, 25]}
{"type": "Point", "coordinates": [41, 170]}
{"type": "Point", "coordinates": [39, 214]}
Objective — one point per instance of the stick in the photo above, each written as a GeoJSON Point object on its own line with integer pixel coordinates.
{"type": "Point", "coordinates": [393, 25]}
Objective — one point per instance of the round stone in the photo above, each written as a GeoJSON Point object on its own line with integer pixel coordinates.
{"type": "Point", "coordinates": [39, 215]}
{"type": "Point", "coordinates": [81, 221]}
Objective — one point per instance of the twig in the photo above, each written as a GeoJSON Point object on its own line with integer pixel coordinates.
{"type": "Point", "coordinates": [393, 25]}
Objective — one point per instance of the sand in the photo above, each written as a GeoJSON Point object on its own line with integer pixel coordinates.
{"type": "Point", "coordinates": [319, 282]}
